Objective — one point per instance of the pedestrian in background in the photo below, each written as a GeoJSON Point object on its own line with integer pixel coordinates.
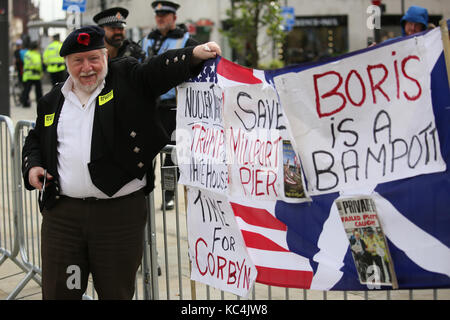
{"type": "Point", "coordinates": [18, 61]}
{"type": "Point", "coordinates": [55, 64]}
{"type": "Point", "coordinates": [32, 74]}
{"type": "Point", "coordinates": [414, 21]}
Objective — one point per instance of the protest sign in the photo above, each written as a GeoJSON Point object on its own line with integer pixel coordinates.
{"type": "Point", "coordinates": [200, 137]}
{"type": "Point", "coordinates": [218, 253]}
{"type": "Point", "coordinates": [375, 120]}
{"type": "Point", "coordinates": [364, 119]}
{"type": "Point", "coordinates": [257, 145]}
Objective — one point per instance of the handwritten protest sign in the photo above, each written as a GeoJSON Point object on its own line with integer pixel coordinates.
{"type": "Point", "coordinates": [200, 137]}
{"type": "Point", "coordinates": [249, 140]}
{"type": "Point", "coordinates": [365, 119]}
{"type": "Point", "coordinates": [216, 247]}
{"type": "Point", "coordinates": [257, 133]}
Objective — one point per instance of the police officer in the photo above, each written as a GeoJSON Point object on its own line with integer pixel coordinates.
{"type": "Point", "coordinates": [114, 23]}
{"type": "Point", "coordinates": [56, 66]}
{"type": "Point", "coordinates": [32, 74]}
{"type": "Point", "coordinates": [168, 35]}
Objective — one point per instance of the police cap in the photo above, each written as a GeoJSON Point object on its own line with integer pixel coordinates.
{"type": "Point", "coordinates": [165, 6]}
{"type": "Point", "coordinates": [114, 17]}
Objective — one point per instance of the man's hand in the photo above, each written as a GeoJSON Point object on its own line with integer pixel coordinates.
{"type": "Point", "coordinates": [204, 52]}
{"type": "Point", "coordinates": [36, 177]}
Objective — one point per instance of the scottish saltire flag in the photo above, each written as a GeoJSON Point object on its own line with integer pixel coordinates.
{"type": "Point", "coordinates": [302, 244]}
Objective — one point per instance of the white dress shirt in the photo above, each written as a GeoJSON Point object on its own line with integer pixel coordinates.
{"type": "Point", "coordinates": [74, 147]}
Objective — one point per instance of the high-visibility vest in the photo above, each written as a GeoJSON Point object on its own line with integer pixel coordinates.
{"type": "Point", "coordinates": [52, 59]}
{"type": "Point", "coordinates": [32, 66]}
{"type": "Point", "coordinates": [168, 44]}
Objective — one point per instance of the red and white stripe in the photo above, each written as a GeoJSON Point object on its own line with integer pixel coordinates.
{"type": "Point", "coordinates": [230, 74]}
{"type": "Point", "coordinates": [265, 238]}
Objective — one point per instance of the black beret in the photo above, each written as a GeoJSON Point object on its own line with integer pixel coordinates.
{"type": "Point", "coordinates": [114, 17]}
{"type": "Point", "coordinates": [83, 39]}
{"type": "Point", "coordinates": [165, 6]}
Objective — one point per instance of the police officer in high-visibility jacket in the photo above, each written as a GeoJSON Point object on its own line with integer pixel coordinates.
{"type": "Point", "coordinates": [56, 66]}
{"type": "Point", "coordinates": [32, 74]}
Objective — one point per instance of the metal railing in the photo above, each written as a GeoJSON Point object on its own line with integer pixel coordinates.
{"type": "Point", "coordinates": [165, 241]}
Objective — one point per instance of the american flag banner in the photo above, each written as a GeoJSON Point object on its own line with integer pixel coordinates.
{"type": "Point", "coordinates": [280, 147]}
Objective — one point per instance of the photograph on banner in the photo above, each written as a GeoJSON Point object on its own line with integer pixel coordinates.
{"type": "Point", "coordinates": [364, 119]}
{"type": "Point", "coordinates": [368, 243]}
{"type": "Point", "coordinates": [200, 136]}
{"type": "Point", "coordinates": [257, 143]}
{"type": "Point", "coordinates": [216, 248]}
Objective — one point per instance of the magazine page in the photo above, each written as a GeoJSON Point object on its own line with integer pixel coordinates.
{"type": "Point", "coordinates": [368, 244]}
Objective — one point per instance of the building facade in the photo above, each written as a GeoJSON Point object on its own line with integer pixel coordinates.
{"type": "Point", "coordinates": [321, 28]}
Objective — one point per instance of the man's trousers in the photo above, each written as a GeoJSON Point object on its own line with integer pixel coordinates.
{"type": "Point", "coordinates": [101, 237]}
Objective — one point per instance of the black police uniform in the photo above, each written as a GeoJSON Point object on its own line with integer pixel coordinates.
{"type": "Point", "coordinates": [115, 17]}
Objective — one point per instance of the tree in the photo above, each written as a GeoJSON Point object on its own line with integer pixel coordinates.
{"type": "Point", "coordinates": [246, 19]}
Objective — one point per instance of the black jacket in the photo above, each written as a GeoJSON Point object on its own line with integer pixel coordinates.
{"type": "Point", "coordinates": [131, 49]}
{"type": "Point", "coordinates": [127, 133]}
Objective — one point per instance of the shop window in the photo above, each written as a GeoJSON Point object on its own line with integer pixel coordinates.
{"type": "Point", "coordinates": [316, 37]}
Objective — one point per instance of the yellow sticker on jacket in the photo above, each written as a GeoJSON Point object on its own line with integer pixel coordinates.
{"type": "Point", "coordinates": [107, 97]}
{"type": "Point", "coordinates": [48, 119]}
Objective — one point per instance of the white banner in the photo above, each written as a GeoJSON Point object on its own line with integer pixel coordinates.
{"type": "Point", "coordinates": [217, 250]}
{"type": "Point", "coordinates": [364, 119]}
{"type": "Point", "coordinates": [200, 137]}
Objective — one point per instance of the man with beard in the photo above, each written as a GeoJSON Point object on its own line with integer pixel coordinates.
{"type": "Point", "coordinates": [90, 155]}
{"type": "Point", "coordinates": [113, 23]}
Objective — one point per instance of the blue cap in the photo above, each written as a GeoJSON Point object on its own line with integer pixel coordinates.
{"type": "Point", "coordinates": [415, 14]}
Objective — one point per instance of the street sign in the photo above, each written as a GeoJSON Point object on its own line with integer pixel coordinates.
{"type": "Point", "coordinates": [288, 14]}
{"type": "Point", "coordinates": [81, 4]}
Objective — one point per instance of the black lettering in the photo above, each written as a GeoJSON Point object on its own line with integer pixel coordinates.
{"type": "Point", "coordinates": [199, 198]}
{"type": "Point", "coordinates": [355, 165]}
{"type": "Point", "coordinates": [326, 170]}
{"type": "Point", "coordinates": [427, 147]}
{"type": "Point", "coordinates": [377, 129]}
{"type": "Point", "coordinates": [411, 149]}
{"type": "Point", "coordinates": [396, 157]}
{"type": "Point", "coordinates": [354, 133]}
{"type": "Point", "coordinates": [246, 95]}
{"type": "Point", "coordinates": [378, 159]}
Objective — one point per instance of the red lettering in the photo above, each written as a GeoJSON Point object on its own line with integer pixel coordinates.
{"type": "Point", "coordinates": [210, 255]}
{"type": "Point", "coordinates": [271, 183]}
{"type": "Point", "coordinates": [397, 78]}
{"type": "Point", "coordinates": [231, 274]}
{"type": "Point", "coordinates": [220, 266]}
{"type": "Point", "coordinates": [419, 93]}
{"type": "Point", "coordinates": [196, 256]}
{"type": "Point", "coordinates": [378, 85]}
{"type": "Point", "coordinates": [363, 87]}
{"type": "Point", "coordinates": [257, 181]}
{"type": "Point", "coordinates": [333, 92]}
{"type": "Point", "coordinates": [268, 154]}
{"type": "Point", "coordinates": [249, 178]}
{"type": "Point", "coordinates": [246, 278]}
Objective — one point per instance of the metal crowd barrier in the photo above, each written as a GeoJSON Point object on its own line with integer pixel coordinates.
{"type": "Point", "coordinates": [165, 268]}
{"type": "Point", "coordinates": [9, 213]}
